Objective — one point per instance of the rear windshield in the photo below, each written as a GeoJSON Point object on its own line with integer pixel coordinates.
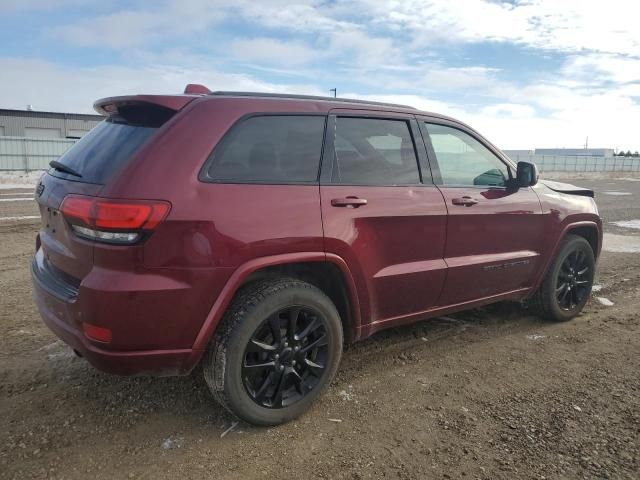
{"type": "Point", "coordinates": [103, 151]}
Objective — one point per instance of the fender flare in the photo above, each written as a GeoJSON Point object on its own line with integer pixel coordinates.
{"type": "Point", "coordinates": [563, 233]}
{"type": "Point", "coordinates": [242, 273]}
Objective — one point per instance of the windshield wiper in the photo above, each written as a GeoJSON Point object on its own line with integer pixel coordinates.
{"type": "Point", "coordinates": [61, 167]}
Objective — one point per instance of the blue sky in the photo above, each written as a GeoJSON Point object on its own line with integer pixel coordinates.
{"type": "Point", "coordinates": [527, 73]}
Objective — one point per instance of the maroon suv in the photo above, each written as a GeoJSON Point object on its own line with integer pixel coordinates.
{"type": "Point", "coordinates": [255, 234]}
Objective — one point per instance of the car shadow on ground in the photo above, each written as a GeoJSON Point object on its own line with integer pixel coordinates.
{"type": "Point", "coordinates": [184, 403]}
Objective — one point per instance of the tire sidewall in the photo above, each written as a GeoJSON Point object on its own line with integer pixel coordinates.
{"type": "Point", "coordinates": [240, 401]}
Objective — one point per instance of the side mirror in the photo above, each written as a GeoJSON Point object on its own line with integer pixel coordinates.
{"type": "Point", "coordinates": [527, 174]}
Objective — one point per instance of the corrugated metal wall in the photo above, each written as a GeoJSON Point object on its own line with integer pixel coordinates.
{"type": "Point", "coordinates": [26, 154]}
{"type": "Point", "coordinates": [14, 122]}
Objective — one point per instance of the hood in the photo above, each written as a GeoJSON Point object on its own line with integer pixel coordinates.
{"type": "Point", "coordinates": [568, 188]}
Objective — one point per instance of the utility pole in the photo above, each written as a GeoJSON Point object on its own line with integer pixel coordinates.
{"type": "Point", "coordinates": [335, 92]}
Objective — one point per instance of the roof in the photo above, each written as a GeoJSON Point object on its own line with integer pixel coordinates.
{"type": "Point", "coordinates": [37, 113]}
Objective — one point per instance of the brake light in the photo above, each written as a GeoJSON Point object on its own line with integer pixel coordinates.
{"type": "Point", "coordinates": [113, 221]}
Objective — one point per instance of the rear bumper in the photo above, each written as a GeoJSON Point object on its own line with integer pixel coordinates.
{"type": "Point", "coordinates": [61, 316]}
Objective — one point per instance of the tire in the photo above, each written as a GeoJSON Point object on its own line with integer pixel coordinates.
{"type": "Point", "coordinates": [565, 290]}
{"type": "Point", "coordinates": [238, 364]}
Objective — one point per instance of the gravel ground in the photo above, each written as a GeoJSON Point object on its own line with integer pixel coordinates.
{"type": "Point", "coordinates": [492, 393]}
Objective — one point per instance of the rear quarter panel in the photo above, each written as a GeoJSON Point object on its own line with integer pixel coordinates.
{"type": "Point", "coordinates": [212, 228]}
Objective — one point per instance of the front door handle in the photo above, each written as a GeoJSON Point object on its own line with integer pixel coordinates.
{"type": "Point", "coordinates": [350, 201]}
{"type": "Point", "coordinates": [464, 201]}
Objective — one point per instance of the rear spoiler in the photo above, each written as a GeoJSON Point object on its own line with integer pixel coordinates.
{"type": "Point", "coordinates": [110, 105]}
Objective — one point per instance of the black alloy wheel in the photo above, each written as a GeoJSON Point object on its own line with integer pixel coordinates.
{"type": "Point", "coordinates": [566, 286]}
{"type": "Point", "coordinates": [275, 351]}
{"type": "Point", "coordinates": [286, 357]}
{"type": "Point", "coordinates": [574, 280]}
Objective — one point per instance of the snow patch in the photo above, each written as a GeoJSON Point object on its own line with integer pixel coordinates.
{"type": "Point", "coordinates": [616, 193]}
{"type": "Point", "coordinates": [621, 243]}
{"type": "Point", "coordinates": [605, 301]}
{"type": "Point", "coordinates": [596, 288]}
{"type": "Point", "coordinates": [170, 443]}
{"type": "Point", "coordinates": [16, 199]}
{"type": "Point", "coordinates": [628, 224]}
{"type": "Point", "coordinates": [535, 337]}
{"type": "Point", "coordinates": [13, 219]}
{"type": "Point", "coordinates": [19, 179]}
{"type": "Point", "coordinates": [346, 395]}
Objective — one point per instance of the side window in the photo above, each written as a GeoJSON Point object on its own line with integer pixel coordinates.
{"type": "Point", "coordinates": [371, 151]}
{"type": "Point", "coordinates": [463, 160]}
{"type": "Point", "coordinates": [269, 148]}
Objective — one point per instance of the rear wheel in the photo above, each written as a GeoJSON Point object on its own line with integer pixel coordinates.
{"type": "Point", "coordinates": [567, 284]}
{"type": "Point", "coordinates": [277, 349]}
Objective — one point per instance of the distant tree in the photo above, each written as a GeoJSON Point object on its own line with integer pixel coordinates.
{"type": "Point", "coordinates": [636, 154]}
{"type": "Point", "coordinates": [628, 154]}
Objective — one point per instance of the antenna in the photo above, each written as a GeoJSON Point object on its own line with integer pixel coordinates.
{"type": "Point", "coordinates": [335, 92]}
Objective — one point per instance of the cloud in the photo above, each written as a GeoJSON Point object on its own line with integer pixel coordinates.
{"type": "Point", "coordinates": [608, 119]}
{"type": "Point", "coordinates": [420, 52]}
{"type": "Point", "coordinates": [594, 25]}
{"type": "Point", "coordinates": [361, 48]}
{"type": "Point", "coordinates": [274, 52]}
{"type": "Point", "coordinates": [51, 87]}
{"type": "Point", "coordinates": [599, 67]}
{"type": "Point", "coordinates": [132, 28]}
{"type": "Point", "coordinates": [16, 5]}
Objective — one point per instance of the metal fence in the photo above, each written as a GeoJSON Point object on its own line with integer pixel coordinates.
{"type": "Point", "coordinates": [558, 163]}
{"type": "Point", "coordinates": [27, 154]}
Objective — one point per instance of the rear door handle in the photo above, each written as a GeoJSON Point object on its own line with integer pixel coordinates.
{"type": "Point", "coordinates": [350, 201]}
{"type": "Point", "coordinates": [464, 201]}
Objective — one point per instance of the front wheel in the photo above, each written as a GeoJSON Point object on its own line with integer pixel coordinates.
{"type": "Point", "coordinates": [276, 350]}
{"type": "Point", "coordinates": [567, 284]}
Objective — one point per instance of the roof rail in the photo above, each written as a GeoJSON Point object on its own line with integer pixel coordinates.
{"type": "Point", "coordinates": [305, 97]}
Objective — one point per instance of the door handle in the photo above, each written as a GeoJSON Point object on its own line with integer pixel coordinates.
{"type": "Point", "coordinates": [350, 201]}
{"type": "Point", "coordinates": [464, 201]}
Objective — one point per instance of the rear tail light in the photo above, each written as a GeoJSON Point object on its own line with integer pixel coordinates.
{"type": "Point", "coordinates": [113, 221]}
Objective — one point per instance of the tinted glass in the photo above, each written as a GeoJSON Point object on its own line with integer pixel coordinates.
{"type": "Point", "coordinates": [372, 151]}
{"type": "Point", "coordinates": [103, 151]}
{"type": "Point", "coordinates": [270, 149]}
{"type": "Point", "coordinates": [463, 160]}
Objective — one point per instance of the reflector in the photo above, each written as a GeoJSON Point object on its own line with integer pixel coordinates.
{"type": "Point", "coordinates": [99, 334]}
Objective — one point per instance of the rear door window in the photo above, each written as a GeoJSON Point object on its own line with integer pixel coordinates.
{"type": "Point", "coordinates": [372, 151]}
{"type": "Point", "coordinates": [269, 149]}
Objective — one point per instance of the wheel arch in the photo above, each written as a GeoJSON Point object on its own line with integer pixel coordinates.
{"type": "Point", "coordinates": [329, 273]}
{"type": "Point", "coordinates": [590, 230]}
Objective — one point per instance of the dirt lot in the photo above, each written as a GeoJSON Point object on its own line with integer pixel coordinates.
{"type": "Point", "coordinates": [492, 393]}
